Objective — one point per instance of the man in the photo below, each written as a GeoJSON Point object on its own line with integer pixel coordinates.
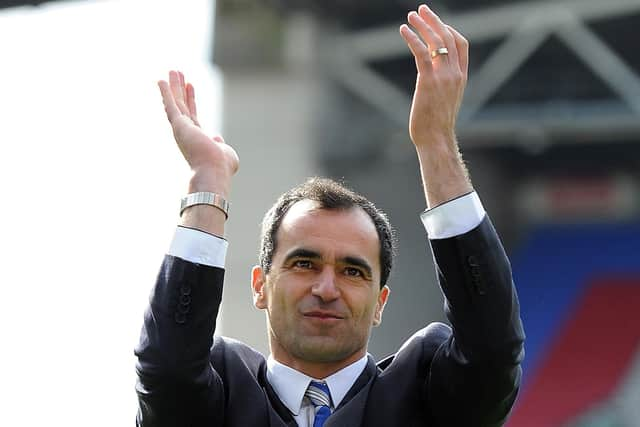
{"type": "Point", "coordinates": [324, 261]}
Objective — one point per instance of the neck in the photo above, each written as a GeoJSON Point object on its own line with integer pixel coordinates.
{"type": "Point", "coordinates": [317, 370]}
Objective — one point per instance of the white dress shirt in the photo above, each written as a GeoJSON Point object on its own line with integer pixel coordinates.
{"type": "Point", "coordinates": [290, 386]}
{"type": "Point", "coordinates": [449, 219]}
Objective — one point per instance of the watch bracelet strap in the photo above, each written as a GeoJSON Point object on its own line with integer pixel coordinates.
{"type": "Point", "coordinates": [205, 198]}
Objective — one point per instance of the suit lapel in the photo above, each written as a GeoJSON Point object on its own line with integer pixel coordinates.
{"type": "Point", "coordinates": [352, 406]}
{"type": "Point", "coordinates": [280, 416]}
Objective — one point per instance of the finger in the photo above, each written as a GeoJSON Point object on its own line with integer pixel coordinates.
{"type": "Point", "coordinates": [183, 86]}
{"type": "Point", "coordinates": [170, 106]}
{"type": "Point", "coordinates": [191, 103]}
{"type": "Point", "coordinates": [462, 46]}
{"type": "Point", "coordinates": [434, 21]}
{"type": "Point", "coordinates": [441, 30]}
{"type": "Point", "coordinates": [433, 40]}
{"type": "Point", "coordinates": [418, 49]}
{"type": "Point", "coordinates": [177, 91]}
{"type": "Point", "coordinates": [427, 33]}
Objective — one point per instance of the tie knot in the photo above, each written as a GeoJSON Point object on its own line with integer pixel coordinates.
{"type": "Point", "coordinates": [318, 393]}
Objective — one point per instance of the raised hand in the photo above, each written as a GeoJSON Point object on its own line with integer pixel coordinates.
{"type": "Point", "coordinates": [441, 78]}
{"type": "Point", "coordinates": [442, 56]}
{"type": "Point", "coordinates": [212, 161]}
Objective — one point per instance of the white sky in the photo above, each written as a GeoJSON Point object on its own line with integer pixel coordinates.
{"type": "Point", "coordinates": [90, 181]}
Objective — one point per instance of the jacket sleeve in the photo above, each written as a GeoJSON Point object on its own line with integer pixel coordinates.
{"type": "Point", "coordinates": [176, 384]}
{"type": "Point", "coordinates": [475, 373]}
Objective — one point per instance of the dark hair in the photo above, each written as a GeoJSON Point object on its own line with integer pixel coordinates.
{"type": "Point", "coordinates": [330, 195]}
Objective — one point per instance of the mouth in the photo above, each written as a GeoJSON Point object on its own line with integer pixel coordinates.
{"type": "Point", "coordinates": [323, 315]}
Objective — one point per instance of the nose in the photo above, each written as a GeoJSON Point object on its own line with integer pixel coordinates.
{"type": "Point", "coordinates": [325, 285]}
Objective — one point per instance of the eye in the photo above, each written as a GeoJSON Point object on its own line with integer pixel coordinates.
{"type": "Point", "coordinates": [353, 272]}
{"type": "Point", "coordinates": [303, 263]}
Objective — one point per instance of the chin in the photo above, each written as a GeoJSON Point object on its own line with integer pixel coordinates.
{"type": "Point", "coordinates": [323, 352]}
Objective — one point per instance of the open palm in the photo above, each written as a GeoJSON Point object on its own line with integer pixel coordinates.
{"type": "Point", "coordinates": [210, 158]}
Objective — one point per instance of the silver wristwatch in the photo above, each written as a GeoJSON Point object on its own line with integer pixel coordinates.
{"type": "Point", "coordinates": [205, 198]}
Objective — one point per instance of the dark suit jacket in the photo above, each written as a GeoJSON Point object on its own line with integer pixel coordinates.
{"type": "Point", "coordinates": [467, 375]}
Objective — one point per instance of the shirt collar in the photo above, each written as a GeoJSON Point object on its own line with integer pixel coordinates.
{"type": "Point", "coordinates": [290, 385]}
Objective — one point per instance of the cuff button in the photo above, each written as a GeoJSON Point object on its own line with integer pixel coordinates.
{"type": "Point", "coordinates": [180, 318]}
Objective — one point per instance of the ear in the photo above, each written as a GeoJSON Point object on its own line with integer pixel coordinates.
{"type": "Point", "coordinates": [258, 281]}
{"type": "Point", "coordinates": [382, 301]}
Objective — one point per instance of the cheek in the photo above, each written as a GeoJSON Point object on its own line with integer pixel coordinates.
{"type": "Point", "coordinates": [362, 304]}
{"type": "Point", "coordinates": [284, 295]}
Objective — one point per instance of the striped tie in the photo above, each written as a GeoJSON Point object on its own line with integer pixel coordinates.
{"type": "Point", "coordinates": [318, 393]}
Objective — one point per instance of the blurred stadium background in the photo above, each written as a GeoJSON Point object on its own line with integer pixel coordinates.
{"type": "Point", "coordinates": [550, 130]}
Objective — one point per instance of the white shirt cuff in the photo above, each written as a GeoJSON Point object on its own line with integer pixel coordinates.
{"type": "Point", "coordinates": [198, 247]}
{"type": "Point", "coordinates": [453, 218]}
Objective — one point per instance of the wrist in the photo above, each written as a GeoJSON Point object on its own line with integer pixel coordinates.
{"type": "Point", "coordinates": [435, 141]}
{"type": "Point", "coordinates": [210, 181]}
{"type": "Point", "coordinates": [205, 218]}
{"type": "Point", "coordinates": [444, 174]}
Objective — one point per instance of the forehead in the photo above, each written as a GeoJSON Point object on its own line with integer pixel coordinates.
{"type": "Point", "coordinates": [343, 230]}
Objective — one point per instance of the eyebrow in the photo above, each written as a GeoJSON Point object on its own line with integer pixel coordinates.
{"type": "Point", "coordinates": [302, 253]}
{"type": "Point", "coordinates": [351, 260]}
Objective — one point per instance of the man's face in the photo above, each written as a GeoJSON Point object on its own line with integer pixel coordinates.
{"type": "Point", "coordinates": [323, 294]}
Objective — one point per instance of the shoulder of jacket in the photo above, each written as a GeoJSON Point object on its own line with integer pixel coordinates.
{"type": "Point", "coordinates": [229, 350]}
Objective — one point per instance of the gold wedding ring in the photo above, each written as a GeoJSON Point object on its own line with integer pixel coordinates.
{"type": "Point", "coordinates": [439, 51]}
